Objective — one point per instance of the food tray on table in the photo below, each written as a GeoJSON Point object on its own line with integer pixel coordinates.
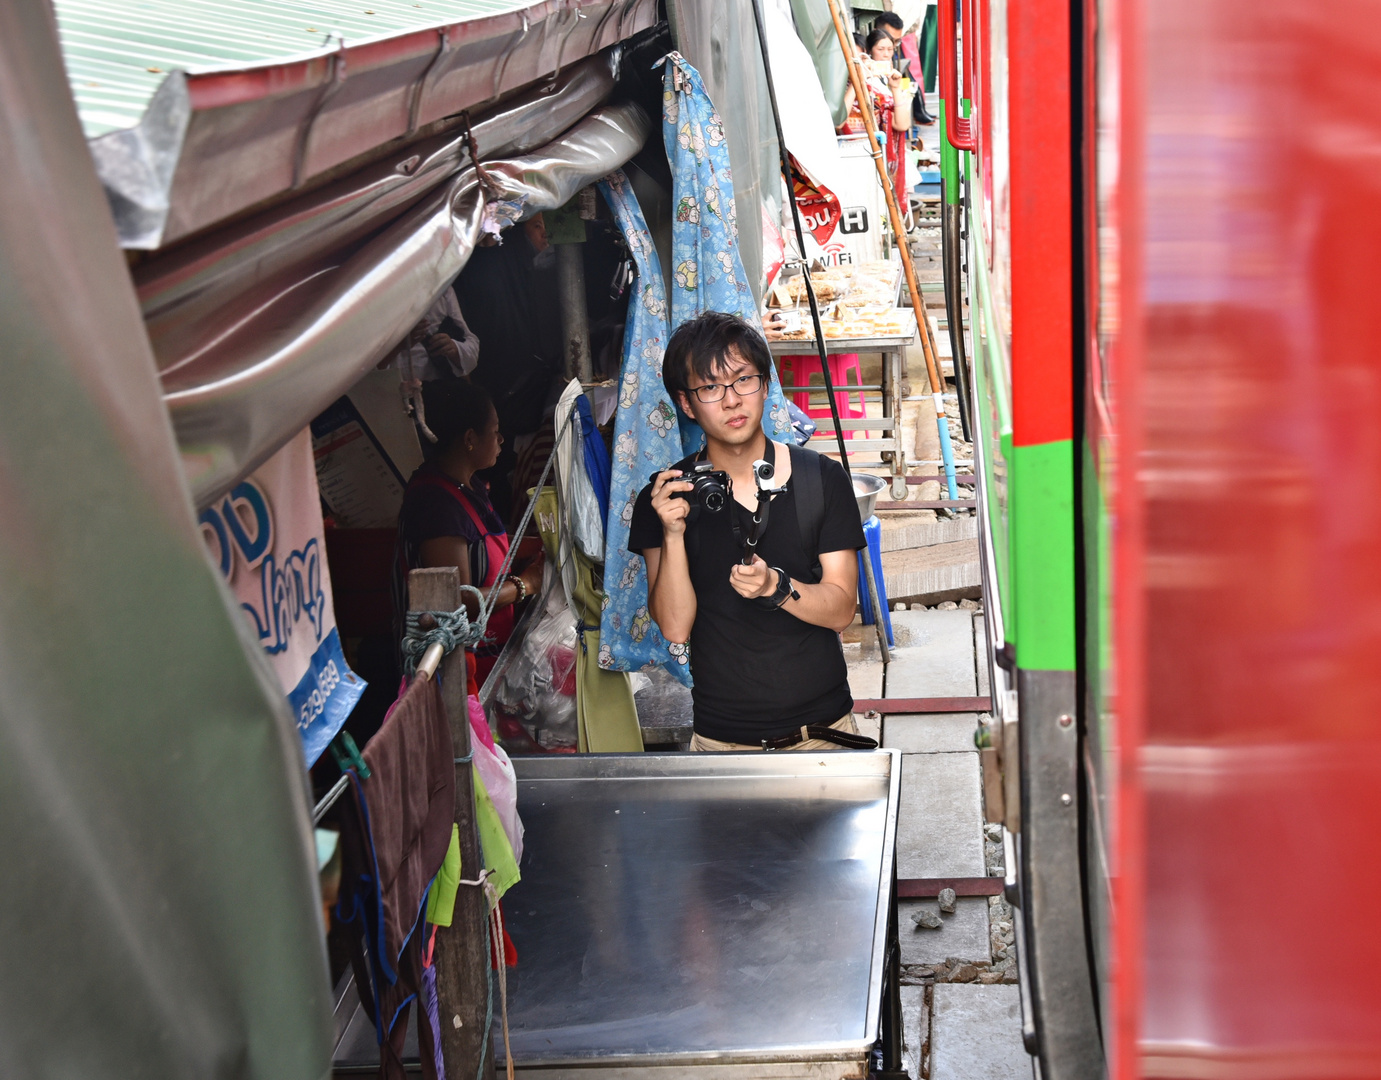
{"type": "Point", "coordinates": [850, 284]}
{"type": "Point", "coordinates": [786, 346]}
{"type": "Point", "coordinates": [859, 309]}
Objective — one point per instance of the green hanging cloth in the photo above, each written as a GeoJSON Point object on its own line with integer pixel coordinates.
{"type": "Point", "coordinates": [494, 846]}
{"type": "Point", "coordinates": [441, 901]}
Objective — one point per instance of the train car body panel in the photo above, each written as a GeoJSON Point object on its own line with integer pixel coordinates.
{"type": "Point", "coordinates": [1017, 63]}
{"type": "Point", "coordinates": [1246, 386]}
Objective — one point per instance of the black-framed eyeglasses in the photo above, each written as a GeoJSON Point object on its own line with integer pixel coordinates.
{"type": "Point", "coordinates": [743, 386]}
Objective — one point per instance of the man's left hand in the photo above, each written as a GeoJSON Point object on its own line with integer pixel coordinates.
{"type": "Point", "coordinates": [754, 580]}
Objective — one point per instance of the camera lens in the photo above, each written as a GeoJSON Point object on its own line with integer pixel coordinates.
{"type": "Point", "coordinates": [714, 501]}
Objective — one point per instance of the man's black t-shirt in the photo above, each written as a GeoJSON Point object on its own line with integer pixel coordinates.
{"type": "Point", "coordinates": [760, 672]}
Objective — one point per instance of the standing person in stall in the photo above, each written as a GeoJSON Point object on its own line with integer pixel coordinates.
{"type": "Point", "coordinates": [448, 520]}
{"type": "Point", "coordinates": [764, 633]}
{"type": "Point", "coordinates": [893, 114]}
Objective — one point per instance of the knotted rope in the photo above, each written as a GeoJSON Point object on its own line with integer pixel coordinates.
{"type": "Point", "coordinates": [445, 628]}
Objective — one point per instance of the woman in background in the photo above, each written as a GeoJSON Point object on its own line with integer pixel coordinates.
{"type": "Point", "coordinates": [892, 114]}
{"type": "Point", "coordinates": [448, 520]}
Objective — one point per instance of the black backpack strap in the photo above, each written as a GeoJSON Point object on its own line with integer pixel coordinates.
{"type": "Point", "coordinates": [809, 487]}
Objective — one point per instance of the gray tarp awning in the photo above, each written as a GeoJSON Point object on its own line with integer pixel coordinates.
{"type": "Point", "coordinates": [160, 915]}
{"type": "Point", "coordinates": [815, 28]}
{"type": "Point", "coordinates": [260, 98]}
{"type": "Point", "coordinates": [259, 332]}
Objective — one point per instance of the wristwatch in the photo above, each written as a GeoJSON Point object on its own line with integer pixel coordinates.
{"type": "Point", "coordinates": [784, 589]}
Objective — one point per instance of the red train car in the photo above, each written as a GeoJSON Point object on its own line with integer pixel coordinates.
{"type": "Point", "coordinates": [1174, 220]}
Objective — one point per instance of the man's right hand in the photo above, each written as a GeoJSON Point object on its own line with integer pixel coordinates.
{"type": "Point", "coordinates": [671, 509]}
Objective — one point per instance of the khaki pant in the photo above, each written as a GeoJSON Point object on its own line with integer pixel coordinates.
{"type": "Point", "coordinates": [844, 723]}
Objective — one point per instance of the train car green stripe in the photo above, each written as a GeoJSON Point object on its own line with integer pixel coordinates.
{"type": "Point", "coordinates": [949, 162]}
{"type": "Point", "coordinates": [1041, 509]}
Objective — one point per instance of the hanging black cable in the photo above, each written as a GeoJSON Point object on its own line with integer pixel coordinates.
{"type": "Point", "coordinates": [950, 259]}
{"type": "Point", "coordinates": [789, 174]}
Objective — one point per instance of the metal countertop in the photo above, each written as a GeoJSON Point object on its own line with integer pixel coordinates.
{"type": "Point", "coordinates": [723, 913]}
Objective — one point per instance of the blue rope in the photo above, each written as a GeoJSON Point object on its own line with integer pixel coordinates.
{"type": "Point", "coordinates": [488, 1002]}
{"type": "Point", "coordinates": [452, 628]}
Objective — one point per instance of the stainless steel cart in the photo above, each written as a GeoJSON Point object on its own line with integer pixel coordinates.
{"type": "Point", "coordinates": [715, 915]}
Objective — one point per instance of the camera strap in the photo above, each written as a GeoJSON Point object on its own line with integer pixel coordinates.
{"type": "Point", "coordinates": [749, 547]}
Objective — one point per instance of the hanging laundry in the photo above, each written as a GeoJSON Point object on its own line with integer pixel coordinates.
{"type": "Point", "coordinates": [441, 898]}
{"type": "Point", "coordinates": [494, 845]}
{"type": "Point", "coordinates": [707, 272]}
{"type": "Point", "coordinates": [580, 506]}
{"type": "Point", "coordinates": [395, 833]}
{"type": "Point", "coordinates": [646, 440]}
{"type": "Point", "coordinates": [606, 715]}
{"type": "Point", "coordinates": [596, 455]}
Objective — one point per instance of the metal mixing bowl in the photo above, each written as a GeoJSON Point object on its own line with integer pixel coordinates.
{"type": "Point", "coordinates": [867, 488]}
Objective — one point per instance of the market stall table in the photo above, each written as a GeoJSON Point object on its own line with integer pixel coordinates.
{"type": "Point", "coordinates": [892, 388]}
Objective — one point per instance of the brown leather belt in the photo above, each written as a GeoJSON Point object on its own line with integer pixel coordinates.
{"type": "Point", "coordinates": [845, 739]}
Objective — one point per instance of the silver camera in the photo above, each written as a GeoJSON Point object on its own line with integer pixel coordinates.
{"type": "Point", "coordinates": [763, 474]}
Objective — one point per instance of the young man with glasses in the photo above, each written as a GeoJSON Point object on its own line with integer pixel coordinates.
{"type": "Point", "coordinates": [760, 602]}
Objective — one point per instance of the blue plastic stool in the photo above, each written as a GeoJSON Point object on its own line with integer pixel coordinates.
{"type": "Point", "coordinates": [872, 532]}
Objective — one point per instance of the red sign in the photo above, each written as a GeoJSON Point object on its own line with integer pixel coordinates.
{"type": "Point", "coordinates": [818, 205]}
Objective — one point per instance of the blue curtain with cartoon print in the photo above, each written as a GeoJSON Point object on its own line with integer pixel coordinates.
{"type": "Point", "coordinates": [707, 276]}
{"type": "Point", "coordinates": [707, 273]}
{"type": "Point", "coordinates": [646, 440]}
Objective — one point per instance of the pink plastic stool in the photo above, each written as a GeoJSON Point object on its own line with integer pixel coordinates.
{"type": "Point", "coordinates": [797, 370]}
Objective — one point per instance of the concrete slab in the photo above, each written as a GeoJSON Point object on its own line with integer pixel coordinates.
{"type": "Point", "coordinates": [903, 529]}
{"type": "Point", "coordinates": [865, 673]}
{"type": "Point", "coordinates": [925, 571]}
{"type": "Point", "coordinates": [976, 1034]}
{"type": "Point", "coordinates": [930, 733]}
{"type": "Point", "coordinates": [963, 934]}
{"type": "Point", "coordinates": [934, 654]}
{"type": "Point", "coordinates": [940, 824]}
{"type": "Point", "coordinates": [915, 1028]}
{"type": "Point", "coordinates": [980, 655]}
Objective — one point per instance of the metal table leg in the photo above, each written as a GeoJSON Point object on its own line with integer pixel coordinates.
{"type": "Point", "coordinates": [891, 407]}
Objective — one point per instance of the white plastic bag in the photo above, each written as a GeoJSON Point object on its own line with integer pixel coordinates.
{"type": "Point", "coordinates": [538, 685]}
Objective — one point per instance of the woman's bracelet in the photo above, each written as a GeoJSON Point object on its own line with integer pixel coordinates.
{"type": "Point", "coordinates": [521, 586]}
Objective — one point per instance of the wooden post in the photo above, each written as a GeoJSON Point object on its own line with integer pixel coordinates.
{"type": "Point", "coordinates": [462, 949]}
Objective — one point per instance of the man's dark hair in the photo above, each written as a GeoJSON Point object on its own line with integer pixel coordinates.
{"type": "Point", "coordinates": [858, 40]}
{"type": "Point", "coordinates": [701, 347]}
{"type": "Point", "coordinates": [889, 18]}
{"type": "Point", "coordinates": [455, 406]}
{"type": "Point", "coordinates": [874, 37]}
